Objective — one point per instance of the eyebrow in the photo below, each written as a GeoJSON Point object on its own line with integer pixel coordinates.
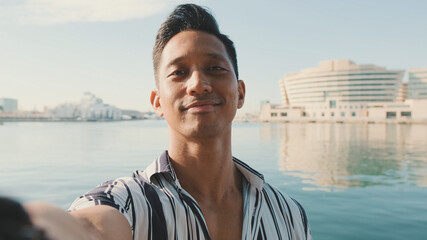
{"type": "Point", "coordinates": [216, 56]}
{"type": "Point", "coordinates": [210, 55]}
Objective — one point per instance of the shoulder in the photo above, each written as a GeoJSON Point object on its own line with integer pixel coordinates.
{"type": "Point", "coordinates": [109, 193]}
{"type": "Point", "coordinates": [131, 196]}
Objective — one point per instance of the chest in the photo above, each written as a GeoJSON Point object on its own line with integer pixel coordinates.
{"type": "Point", "coordinates": [179, 216]}
{"type": "Point", "coordinates": [225, 220]}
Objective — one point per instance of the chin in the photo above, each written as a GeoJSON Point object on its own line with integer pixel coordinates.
{"type": "Point", "coordinates": [207, 130]}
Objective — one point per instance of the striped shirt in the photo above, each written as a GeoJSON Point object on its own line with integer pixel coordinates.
{"type": "Point", "coordinates": [158, 208]}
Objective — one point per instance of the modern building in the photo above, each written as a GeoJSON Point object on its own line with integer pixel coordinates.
{"type": "Point", "coordinates": [341, 90]}
{"type": "Point", "coordinates": [340, 84]}
{"type": "Point", "coordinates": [90, 108]}
{"type": "Point", "coordinates": [8, 105]}
{"type": "Point", "coordinates": [417, 85]}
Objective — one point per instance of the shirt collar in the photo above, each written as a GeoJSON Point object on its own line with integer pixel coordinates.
{"type": "Point", "coordinates": [163, 165]}
{"type": "Point", "coordinates": [255, 178]}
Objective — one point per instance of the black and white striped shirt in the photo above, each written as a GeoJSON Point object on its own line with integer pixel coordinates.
{"type": "Point", "coordinates": [158, 208]}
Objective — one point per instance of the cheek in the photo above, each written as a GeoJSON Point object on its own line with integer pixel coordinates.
{"type": "Point", "coordinates": [165, 103]}
{"type": "Point", "coordinates": [169, 101]}
{"type": "Point", "coordinates": [172, 90]}
{"type": "Point", "coordinates": [236, 94]}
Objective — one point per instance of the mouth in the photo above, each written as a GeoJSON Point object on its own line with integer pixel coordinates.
{"type": "Point", "coordinates": [198, 106]}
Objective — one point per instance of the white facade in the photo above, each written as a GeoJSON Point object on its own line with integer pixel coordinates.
{"type": "Point", "coordinates": [340, 83]}
{"type": "Point", "coordinates": [280, 112]}
{"type": "Point", "coordinates": [340, 90]}
{"type": "Point", "coordinates": [8, 105]}
{"type": "Point", "coordinates": [417, 85]}
{"type": "Point", "coordinates": [402, 94]}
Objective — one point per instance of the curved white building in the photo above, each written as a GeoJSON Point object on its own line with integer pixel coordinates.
{"type": "Point", "coordinates": [341, 82]}
{"type": "Point", "coordinates": [341, 90]}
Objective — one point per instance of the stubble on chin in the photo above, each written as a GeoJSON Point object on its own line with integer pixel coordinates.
{"type": "Point", "coordinates": [202, 129]}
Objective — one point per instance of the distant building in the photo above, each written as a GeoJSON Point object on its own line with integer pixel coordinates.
{"type": "Point", "coordinates": [402, 94]}
{"type": "Point", "coordinates": [90, 108]}
{"type": "Point", "coordinates": [341, 90]}
{"type": "Point", "coordinates": [132, 114]}
{"type": "Point", "coordinates": [8, 105]}
{"type": "Point", "coordinates": [417, 85]}
{"type": "Point", "coordinates": [340, 83]}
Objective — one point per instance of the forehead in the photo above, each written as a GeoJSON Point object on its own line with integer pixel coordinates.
{"type": "Point", "coordinates": [188, 44]}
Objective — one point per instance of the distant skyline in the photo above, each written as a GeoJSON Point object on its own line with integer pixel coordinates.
{"type": "Point", "coordinates": [51, 52]}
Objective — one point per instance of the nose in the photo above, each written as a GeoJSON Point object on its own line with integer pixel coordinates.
{"type": "Point", "coordinates": [198, 83]}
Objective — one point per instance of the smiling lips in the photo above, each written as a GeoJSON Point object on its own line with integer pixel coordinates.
{"type": "Point", "coordinates": [199, 106]}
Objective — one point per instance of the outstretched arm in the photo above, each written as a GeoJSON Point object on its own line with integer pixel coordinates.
{"type": "Point", "coordinates": [98, 222]}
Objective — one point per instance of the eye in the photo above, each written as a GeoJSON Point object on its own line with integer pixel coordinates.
{"type": "Point", "coordinates": [217, 69]}
{"type": "Point", "coordinates": [178, 73]}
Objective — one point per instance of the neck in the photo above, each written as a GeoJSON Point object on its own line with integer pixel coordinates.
{"type": "Point", "coordinates": [205, 167]}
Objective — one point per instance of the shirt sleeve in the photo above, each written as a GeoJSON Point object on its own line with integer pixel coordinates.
{"type": "Point", "coordinates": [304, 220]}
{"type": "Point", "coordinates": [114, 193]}
{"type": "Point", "coordinates": [292, 217]}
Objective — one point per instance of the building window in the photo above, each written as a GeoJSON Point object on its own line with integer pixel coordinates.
{"type": "Point", "coordinates": [323, 114]}
{"type": "Point", "coordinates": [332, 114]}
{"type": "Point", "coordinates": [332, 104]}
{"type": "Point", "coordinates": [274, 114]}
{"type": "Point", "coordinates": [353, 114]}
{"type": "Point", "coordinates": [304, 114]}
{"type": "Point", "coordinates": [342, 114]}
{"type": "Point", "coordinates": [391, 115]}
{"type": "Point", "coordinates": [406, 114]}
{"type": "Point", "coordinates": [284, 114]}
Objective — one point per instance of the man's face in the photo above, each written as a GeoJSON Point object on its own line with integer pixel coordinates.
{"type": "Point", "coordinates": [198, 93]}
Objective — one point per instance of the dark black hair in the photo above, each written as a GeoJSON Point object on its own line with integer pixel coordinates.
{"type": "Point", "coordinates": [190, 17]}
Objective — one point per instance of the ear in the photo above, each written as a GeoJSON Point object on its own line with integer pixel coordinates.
{"type": "Point", "coordinates": [242, 91]}
{"type": "Point", "coordinates": [155, 102]}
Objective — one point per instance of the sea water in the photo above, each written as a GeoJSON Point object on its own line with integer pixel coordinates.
{"type": "Point", "coordinates": [355, 181]}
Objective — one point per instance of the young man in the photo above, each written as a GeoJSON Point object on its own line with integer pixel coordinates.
{"type": "Point", "coordinates": [196, 189]}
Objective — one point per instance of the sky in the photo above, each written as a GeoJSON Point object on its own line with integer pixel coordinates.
{"type": "Point", "coordinates": [52, 51]}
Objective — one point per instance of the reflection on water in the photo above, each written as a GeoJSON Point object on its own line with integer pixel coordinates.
{"type": "Point", "coordinates": [336, 156]}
